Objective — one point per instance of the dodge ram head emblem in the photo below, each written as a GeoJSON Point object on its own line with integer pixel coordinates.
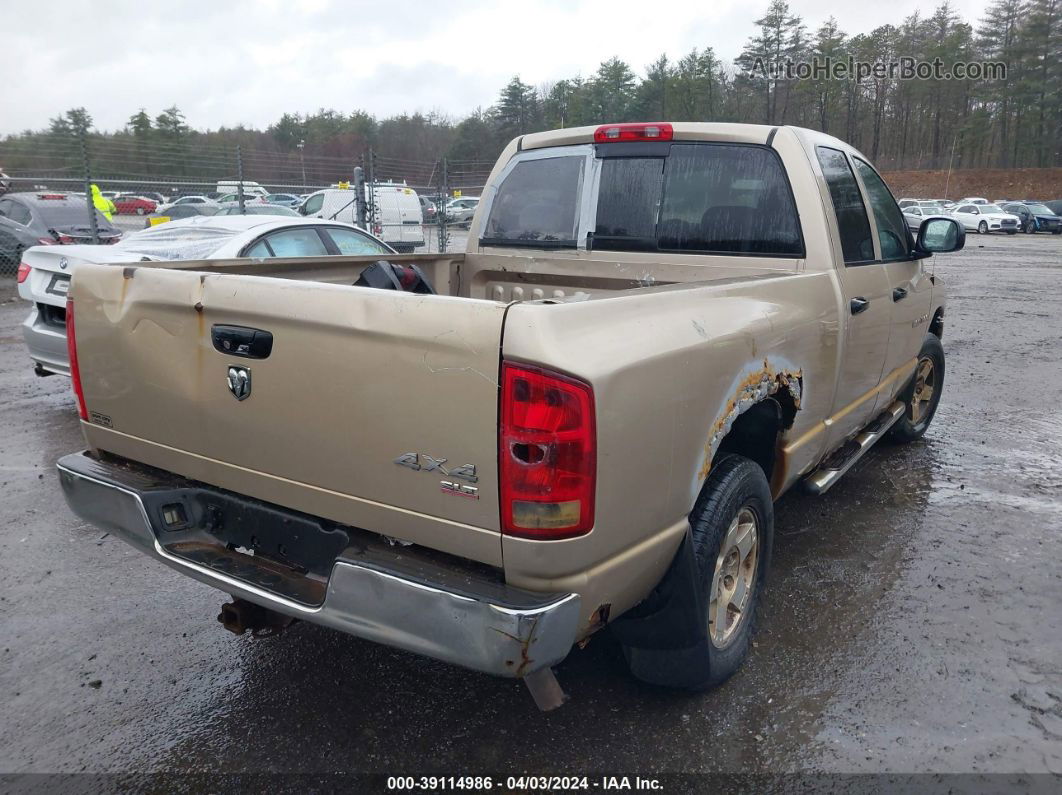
{"type": "Point", "coordinates": [239, 382]}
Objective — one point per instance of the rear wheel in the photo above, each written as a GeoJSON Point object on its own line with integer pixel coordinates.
{"type": "Point", "coordinates": [982, 228]}
{"type": "Point", "coordinates": [732, 528]}
{"type": "Point", "coordinates": [922, 395]}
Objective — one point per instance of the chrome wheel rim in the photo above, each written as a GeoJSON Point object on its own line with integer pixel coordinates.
{"type": "Point", "coordinates": [925, 386]}
{"type": "Point", "coordinates": [734, 578]}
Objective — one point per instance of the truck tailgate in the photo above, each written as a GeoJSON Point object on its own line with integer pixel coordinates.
{"type": "Point", "coordinates": [370, 403]}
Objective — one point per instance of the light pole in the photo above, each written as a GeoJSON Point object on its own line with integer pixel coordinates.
{"type": "Point", "coordinates": [302, 157]}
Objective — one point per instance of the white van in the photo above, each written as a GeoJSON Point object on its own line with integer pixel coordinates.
{"type": "Point", "coordinates": [399, 220]}
{"type": "Point", "coordinates": [252, 189]}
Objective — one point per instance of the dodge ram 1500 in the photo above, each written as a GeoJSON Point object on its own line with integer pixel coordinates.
{"type": "Point", "coordinates": [582, 421]}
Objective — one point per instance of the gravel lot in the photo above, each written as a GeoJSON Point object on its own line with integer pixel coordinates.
{"type": "Point", "coordinates": [913, 620]}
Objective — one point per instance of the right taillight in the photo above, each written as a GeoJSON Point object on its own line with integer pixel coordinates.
{"type": "Point", "coordinates": [23, 272]}
{"type": "Point", "coordinates": [547, 454]}
{"type": "Point", "coordinates": [75, 371]}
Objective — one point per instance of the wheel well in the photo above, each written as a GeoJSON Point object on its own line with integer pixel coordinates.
{"type": "Point", "coordinates": [754, 433]}
{"type": "Point", "coordinates": [936, 325]}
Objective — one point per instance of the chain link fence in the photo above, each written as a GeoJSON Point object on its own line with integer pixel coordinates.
{"type": "Point", "coordinates": [415, 206]}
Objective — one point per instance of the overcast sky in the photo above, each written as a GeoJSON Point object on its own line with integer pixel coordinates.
{"type": "Point", "coordinates": [234, 61]}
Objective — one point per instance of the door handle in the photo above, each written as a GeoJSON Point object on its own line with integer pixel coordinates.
{"type": "Point", "coordinates": [898, 293]}
{"type": "Point", "coordinates": [859, 304]}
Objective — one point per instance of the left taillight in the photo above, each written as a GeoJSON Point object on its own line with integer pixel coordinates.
{"type": "Point", "coordinates": [75, 371]}
{"type": "Point", "coordinates": [547, 450]}
{"type": "Point", "coordinates": [23, 272]}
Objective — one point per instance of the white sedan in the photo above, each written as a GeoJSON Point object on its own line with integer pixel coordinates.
{"type": "Point", "coordinates": [44, 273]}
{"type": "Point", "coordinates": [986, 218]}
{"type": "Point", "coordinates": [916, 214]}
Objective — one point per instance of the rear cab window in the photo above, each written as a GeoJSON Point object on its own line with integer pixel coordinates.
{"type": "Point", "coordinates": [857, 243]}
{"type": "Point", "coordinates": [703, 198]}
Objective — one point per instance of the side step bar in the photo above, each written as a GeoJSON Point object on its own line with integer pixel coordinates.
{"type": "Point", "coordinates": [819, 481]}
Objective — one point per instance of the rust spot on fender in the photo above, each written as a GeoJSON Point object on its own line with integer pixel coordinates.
{"type": "Point", "coordinates": [754, 387]}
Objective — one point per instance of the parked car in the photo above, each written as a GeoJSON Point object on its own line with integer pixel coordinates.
{"type": "Point", "coordinates": [259, 209]}
{"type": "Point", "coordinates": [158, 198]}
{"type": "Point", "coordinates": [916, 214]}
{"type": "Point", "coordinates": [398, 219]}
{"type": "Point", "coordinates": [128, 204]}
{"type": "Point", "coordinates": [428, 210]}
{"type": "Point", "coordinates": [460, 211]}
{"type": "Point", "coordinates": [973, 200]}
{"type": "Point", "coordinates": [164, 209]}
{"type": "Point", "coordinates": [283, 199]}
{"type": "Point", "coordinates": [1035, 217]}
{"type": "Point", "coordinates": [1055, 206]}
{"type": "Point", "coordinates": [179, 211]}
{"type": "Point", "coordinates": [48, 219]}
{"type": "Point", "coordinates": [249, 188]}
{"type": "Point", "coordinates": [905, 203]}
{"type": "Point", "coordinates": [986, 218]}
{"type": "Point", "coordinates": [45, 273]}
{"type": "Point", "coordinates": [233, 200]}
{"type": "Point", "coordinates": [490, 464]}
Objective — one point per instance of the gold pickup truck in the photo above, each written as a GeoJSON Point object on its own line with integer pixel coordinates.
{"type": "Point", "coordinates": [582, 421]}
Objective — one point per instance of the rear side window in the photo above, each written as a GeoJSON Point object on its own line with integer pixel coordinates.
{"type": "Point", "coordinates": [314, 204]}
{"type": "Point", "coordinates": [20, 215]}
{"type": "Point", "coordinates": [856, 241]}
{"type": "Point", "coordinates": [892, 231]}
{"type": "Point", "coordinates": [704, 198]}
{"type": "Point", "coordinates": [350, 242]}
{"type": "Point", "coordinates": [537, 204]}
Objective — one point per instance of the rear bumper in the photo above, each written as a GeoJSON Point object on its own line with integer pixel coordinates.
{"type": "Point", "coordinates": [46, 343]}
{"type": "Point", "coordinates": [375, 592]}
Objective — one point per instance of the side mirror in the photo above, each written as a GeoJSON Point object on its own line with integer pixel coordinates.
{"type": "Point", "coordinates": [302, 209]}
{"type": "Point", "coordinates": [940, 235]}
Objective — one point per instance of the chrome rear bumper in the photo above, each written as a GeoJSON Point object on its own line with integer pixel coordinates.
{"type": "Point", "coordinates": [437, 610]}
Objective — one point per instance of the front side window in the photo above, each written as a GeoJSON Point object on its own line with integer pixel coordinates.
{"type": "Point", "coordinates": [354, 243]}
{"type": "Point", "coordinates": [537, 204]}
{"type": "Point", "coordinates": [892, 231]}
{"type": "Point", "coordinates": [857, 244]}
{"type": "Point", "coordinates": [703, 198]}
{"type": "Point", "coordinates": [297, 243]}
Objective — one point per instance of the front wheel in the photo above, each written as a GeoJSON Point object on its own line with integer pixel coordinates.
{"type": "Point", "coordinates": [139, 210]}
{"type": "Point", "coordinates": [1029, 228]}
{"type": "Point", "coordinates": [982, 228]}
{"type": "Point", "coordinates": [731, 528]}
{"type": "Point", "coordinates": [922, 396]}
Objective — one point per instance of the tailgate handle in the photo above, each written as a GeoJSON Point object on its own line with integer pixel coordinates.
{"type": "Point", "coordinates": [251, 343]}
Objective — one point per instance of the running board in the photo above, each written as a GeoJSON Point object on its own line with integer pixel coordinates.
{"type": "Point", "coordinates": [831, 470]}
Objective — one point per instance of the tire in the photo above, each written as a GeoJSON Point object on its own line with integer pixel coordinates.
{"type": "Point", "coordinates": [139, 210]}
{"type": "Point", "coordinates": [1028, 229]}
{"type": "Point", "coordinates": [918, 408]}
{"type": "Point", "coordinates": [735, 495]}
{"type": "Point", "coordinates": [10, 256]}
{"type": "Point", "coordinates": [982, 228]}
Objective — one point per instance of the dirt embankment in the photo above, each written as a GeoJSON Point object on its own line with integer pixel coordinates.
{"type": "Point", "coordinates": [991, 183]}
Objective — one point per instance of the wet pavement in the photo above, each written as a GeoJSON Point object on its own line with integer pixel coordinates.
{"type": "Point", "coordinates": [913, 620]}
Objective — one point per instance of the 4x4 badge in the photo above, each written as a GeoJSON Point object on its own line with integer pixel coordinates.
{"type": "Point", "coordinates": [239, 382]}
